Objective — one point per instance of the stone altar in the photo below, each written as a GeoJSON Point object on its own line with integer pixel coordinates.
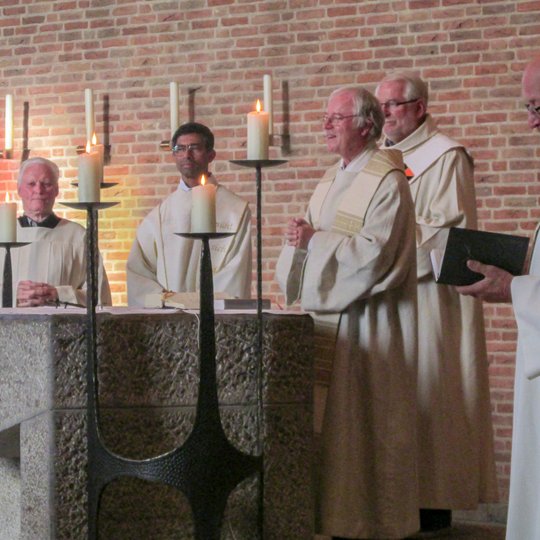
{"type": "Point", "coordinates": [148, 373]}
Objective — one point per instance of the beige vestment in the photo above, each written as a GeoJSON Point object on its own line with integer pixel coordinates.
{"type": "Point", "coordinates": [455, 437]}
{"type": "Point", "coordinates": [161, 260]}
{"type": "Point", "coordinates": [363, 270]}
{"type": "Point", "coordinates": [57, 257]}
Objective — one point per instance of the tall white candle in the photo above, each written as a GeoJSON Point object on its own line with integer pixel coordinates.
{"type": "Point", "coordinates": [267, 102]}
{"type": "Point", "coordinates": [8, 221]}
{"type": "Point", "coordinates": [203, 207]}
{"type": "Point", "coordinates": [257, 134]}
{"type": "Point", "coordinates": [173, 99]}
{"type": "Point", "coordinates": [8, 144]}
{"type": "Point", "coordinates": [89, 176]}
{"type": "Point", "coordinates": [89, 113]}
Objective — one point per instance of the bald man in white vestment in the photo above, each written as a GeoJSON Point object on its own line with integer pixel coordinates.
{"type": "Point", "coordinates": [524, 294]}
{"type": "Point", "coordinates": [161, 261]}
{"type": "Point", "coordinates": [351, 262]}
{"type": "Point", "coordinates": [456, 464]}
{"type": "Point", "coordinates": [52, 268]}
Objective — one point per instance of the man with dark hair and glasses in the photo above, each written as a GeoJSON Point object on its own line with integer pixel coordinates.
{"type": "Point", "coordinates": [455, 437]}
{"type": "Point", "coordinates": [524, 294]}
{"type": "Point", "coordinates": [160, 260]}
{"type": "Point", "coordinates": [351, 262]}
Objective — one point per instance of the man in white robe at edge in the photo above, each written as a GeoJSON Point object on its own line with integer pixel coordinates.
{"type": "Point", "coordinates": [456, 463]}
{"type": "Point", "coordinates": [52, 267]}
{"type": "Point", "coordinates": [161, 261]}
{"type": "Point", "coordinates": [524, 294]}
{"type": "Point", "coordinates": [351, 261]}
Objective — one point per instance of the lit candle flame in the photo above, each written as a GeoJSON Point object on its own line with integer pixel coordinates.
{"type": "Point", "coordinates": [258, 107]}
{"type": "Point", "coordinates": [88, 147]}
{"type": "Point", "coordinates": [7, 197]}
{"type": "Point", "coordinates": [203, 180]}
{"type": "Point", "coordinates": [94, 139]}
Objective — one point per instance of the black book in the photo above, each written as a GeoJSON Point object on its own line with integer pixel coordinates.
{"type": "Point", "coordinates": [506, 251]}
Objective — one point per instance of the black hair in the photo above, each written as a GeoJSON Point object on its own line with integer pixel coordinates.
{"type": "Point", "coordinates": [195, 127]}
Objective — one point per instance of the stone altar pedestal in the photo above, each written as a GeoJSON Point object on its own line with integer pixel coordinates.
{"type": "Point", "coordinates": [148, 376]}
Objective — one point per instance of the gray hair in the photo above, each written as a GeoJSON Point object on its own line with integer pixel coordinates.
{"type": "Point", "coordinates": [52, 168]}
{"type": "Point", "coordinates": [366, 107]}
{"type": "Point", "coordinates": [415, 87]}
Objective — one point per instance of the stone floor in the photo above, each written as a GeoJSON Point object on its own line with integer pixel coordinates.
{"type": "Point", "coordinates": [461, 531]}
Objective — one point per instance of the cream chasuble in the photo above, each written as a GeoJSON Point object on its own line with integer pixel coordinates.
{"type": "Point", "coordinates": [455, 436]}
{"type": "Point", "coordinates": [523, 515]}
{"type": "Point", "coordinates": [161, 260]}
{"type": "Point", "coordinates": [362, 271]}
{"type": "Point", "coordinates": [57, 257]}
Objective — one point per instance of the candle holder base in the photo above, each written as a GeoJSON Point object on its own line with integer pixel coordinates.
{"type": "Point", "coordinates": [6, 154]}
{"type": "Point", "coordinates": [258, 162]}
{"type": "Point", "coordinates": [102, 185]}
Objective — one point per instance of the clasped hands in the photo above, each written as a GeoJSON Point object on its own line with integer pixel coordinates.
{"type": "Point", "coordinates": [33, 293]}
{"type": "Point", "coordinates": [298, 233]}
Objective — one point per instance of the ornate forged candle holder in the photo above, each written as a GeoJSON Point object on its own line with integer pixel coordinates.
{"type": "Point", "coordinates": [207, 467]}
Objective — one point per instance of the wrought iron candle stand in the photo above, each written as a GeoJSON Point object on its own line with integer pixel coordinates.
{"type": "Point", "coordinates": [7, 285]}
{"type": "Point", "coordinates": [206, 468]}
{"type": "Point", "coordinates": [258, 164]}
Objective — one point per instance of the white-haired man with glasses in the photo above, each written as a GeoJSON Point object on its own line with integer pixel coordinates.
{"type": "Point", "coordinates": [524, 294]}
{"type": "Point", "coordinates": [160, 260]}
{"type": "Point", "coordinates": [455, 438]}
{"type": "Point", "coordinates": [351, 262]}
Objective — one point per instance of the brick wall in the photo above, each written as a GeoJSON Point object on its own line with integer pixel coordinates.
{"type": "Point", "coordinates": [471, 51]}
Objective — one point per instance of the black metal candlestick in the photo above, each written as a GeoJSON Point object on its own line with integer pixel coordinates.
{"type": "Point", "coordinates": [259, 164]}
{"type": "Point", "coordinates": [206, 468]}
{"type": "Point", "coordinates": [7, 283]}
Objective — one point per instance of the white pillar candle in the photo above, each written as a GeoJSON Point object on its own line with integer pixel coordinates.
{"type": "Point", "coordinates": [203, 208]}
{"type": "Point", "coordinates": [89, 113]}
{"type": "Point", "coordinates": [8, 144]}
{"type": "Point", "coordinates": [173, 99]}
{"type": "Point", "coordinates": [8, 221]}
{"type": "Point", "coordinates": [100, 149]}
{"type": "Point", "coordinates": [267, 102]}
{"type": "Point", "coordinates": [89, 176]}
{"type": "Point", "coordinates": [257, 134]}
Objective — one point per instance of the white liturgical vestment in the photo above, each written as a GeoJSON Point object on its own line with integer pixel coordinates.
{"type": "Point", "coordinates": [455, 437]}
{"type": "Point", "coordinates": [160, 260]}
{"type": "Point", "coordinates": [55, 256]}
{"type": "Point", "coordinates": [523, 514]}
{"type": "Point", "coordinates": [360, 267]}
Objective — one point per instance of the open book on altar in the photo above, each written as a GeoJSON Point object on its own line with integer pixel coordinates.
{"type": "Point", "coordinates": [506, 251]}
{"type": "Point", "coordinates": [191, 300]}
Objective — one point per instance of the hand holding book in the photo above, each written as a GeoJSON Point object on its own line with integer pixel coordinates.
{"type": "Point", "coordinates": [496, 250]}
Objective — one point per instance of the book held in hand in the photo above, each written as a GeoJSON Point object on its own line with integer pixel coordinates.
{"type": "Point", "coordinates": [506, 251]}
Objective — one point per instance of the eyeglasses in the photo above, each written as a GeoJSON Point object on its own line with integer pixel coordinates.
{"type": "Point", "coordinates": [336, 118]}
{"type": "Point", "coordinates": [185, 148]}
{"type": "Point", "coordinates": [393, 104]}
{"type": "Point", "coordinates": [535, 111]}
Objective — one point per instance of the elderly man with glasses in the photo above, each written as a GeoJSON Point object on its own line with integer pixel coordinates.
{"type": "Point", "coordinates": [524, 294]}
{"type": "Point", "coordinates": [160, 260]}
{"type": "Point", "coordinates": [455, 438]}
{"type": "Point", "coordinates": [351, 262]}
